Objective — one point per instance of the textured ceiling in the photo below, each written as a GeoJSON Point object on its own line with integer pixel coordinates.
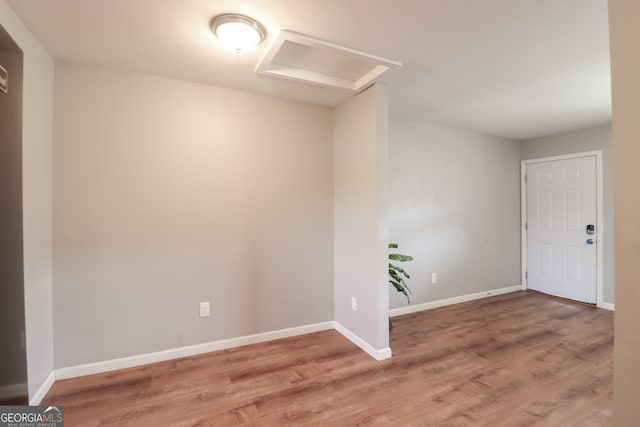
{"type": "Point", "coordinates": [518, 69]}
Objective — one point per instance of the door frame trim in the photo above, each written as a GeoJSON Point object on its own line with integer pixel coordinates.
{"type": "Point", "coordinates": [599, 216]}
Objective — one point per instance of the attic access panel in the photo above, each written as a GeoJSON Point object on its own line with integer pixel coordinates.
{"type": "Point", "coordinates": [299, 57]}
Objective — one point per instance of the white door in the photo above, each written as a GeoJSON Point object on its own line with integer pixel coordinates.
{"type": "Point", "coordinates": [561, 220]}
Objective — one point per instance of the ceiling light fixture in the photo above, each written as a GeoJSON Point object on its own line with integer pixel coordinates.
{"type": "Point", "coordinates": [238, 33]}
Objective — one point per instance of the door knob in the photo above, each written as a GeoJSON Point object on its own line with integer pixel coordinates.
{"type": "Point", "coordinates": [589, 241]}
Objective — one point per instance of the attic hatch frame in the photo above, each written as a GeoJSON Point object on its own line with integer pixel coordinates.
{"type": "Point", "coordinates": [269, 68]}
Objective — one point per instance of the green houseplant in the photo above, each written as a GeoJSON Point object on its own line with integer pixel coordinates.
{"type": "Point", "coordinates": [397, 275]}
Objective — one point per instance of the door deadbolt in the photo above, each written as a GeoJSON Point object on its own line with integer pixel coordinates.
{"type": "Point", "coordinates": [591, 229]}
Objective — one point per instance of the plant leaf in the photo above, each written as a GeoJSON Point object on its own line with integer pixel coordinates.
{"type": "Point", "coordinates": [397, 285]}
{"type": "Point", "coordinates": [399, 270]}
{"type": "Point", "coordinates": [406, 291]}
{"type": "Point", "coordinates": [401, 258]}
{"type": "Point", "coordinates": [395, 273]}
{"type": "Point", "coordinates": [402, 287]}
{"type": "Point", "coordinates": [396, 277]}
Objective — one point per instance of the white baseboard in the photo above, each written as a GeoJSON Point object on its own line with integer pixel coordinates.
{"type": "Point", "coordinates": [13, 390]}
{"type": "Point", "coordinates": [43, 390]}
{"type": "Point", "coordinates": [455, 300]}
{"type": "Point", "coordinates": [175, 353]}
{"type": "Point", "coordinates": [381, 354]}
{"type": "Point", "coordinates": [608, 306]}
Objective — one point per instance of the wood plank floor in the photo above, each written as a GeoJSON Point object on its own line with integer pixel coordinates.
{"type": "Point", "coordinates": [520, 359]}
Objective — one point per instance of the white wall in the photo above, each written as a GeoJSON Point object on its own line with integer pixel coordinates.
{"type": "Point", "coordinates": [36, 173]}
{"type": "Point", "coordinates": [590, 139]}
{"type": "Point", "coordinates": [454, 205]}
{"type": "Point", "coordinates": [168, 193]}
{"type": "Point", "coordinates": [361, 226]}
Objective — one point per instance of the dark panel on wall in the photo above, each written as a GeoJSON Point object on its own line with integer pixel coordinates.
{"type": "Point", "coordinates": [13, 365]}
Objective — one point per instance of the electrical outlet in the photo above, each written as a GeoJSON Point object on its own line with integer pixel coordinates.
{"type": "Point", "coordinates": [354, 304]}
{"type": "Point", "coordinates": [434, 278]}
{"type": "Point", "coordinates": [205, 309]}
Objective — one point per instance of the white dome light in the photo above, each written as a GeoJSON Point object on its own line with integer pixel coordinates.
{"type": "Point", "coordinates": [238, 33]}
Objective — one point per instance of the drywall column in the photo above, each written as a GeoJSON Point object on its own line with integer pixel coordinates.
{"type": "Point", "coordinates": [625, 68]}
{"type": "Point", "coordinates": [37, 123]}
{"type": "Point", "coordinates": [361, 220]}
